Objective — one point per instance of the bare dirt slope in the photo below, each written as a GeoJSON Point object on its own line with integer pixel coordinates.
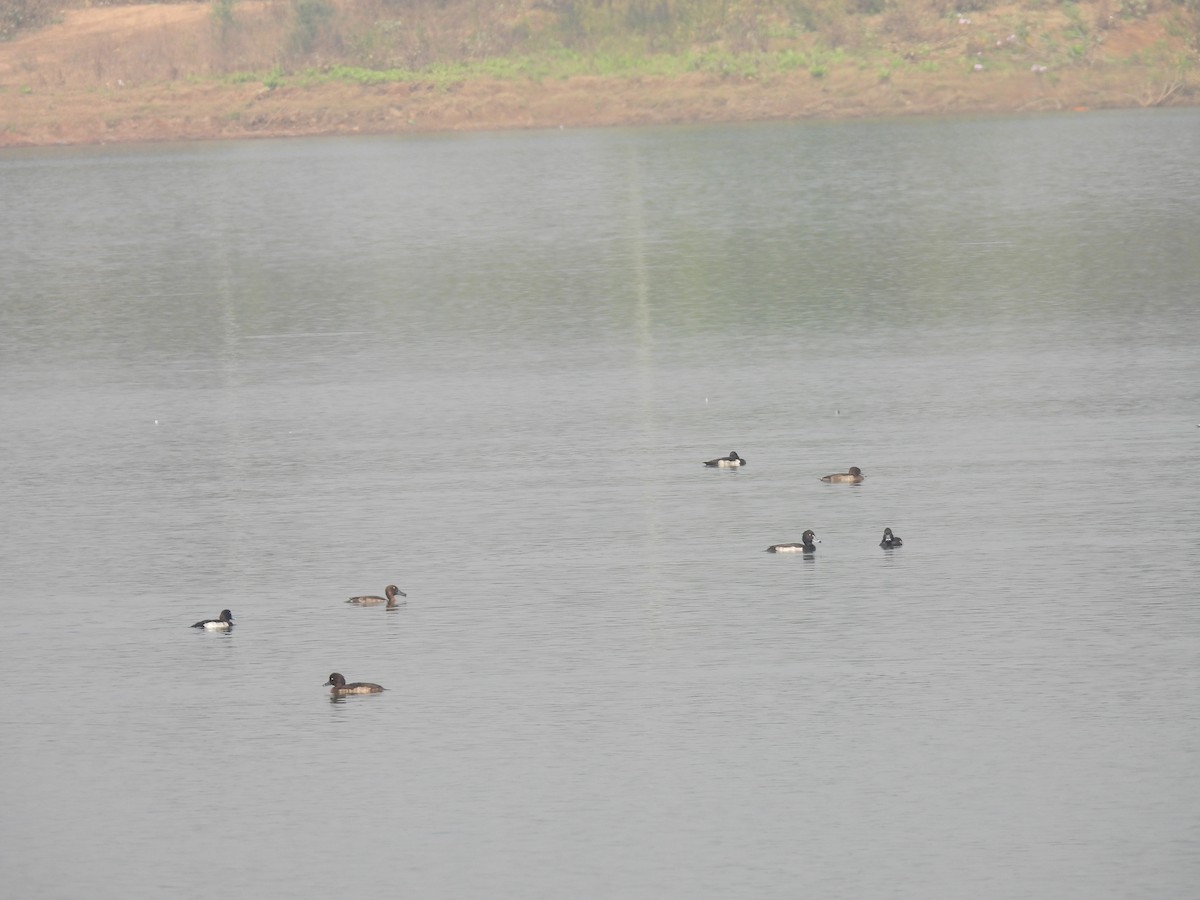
{"type": "Point", "coordinates": [131, 73]}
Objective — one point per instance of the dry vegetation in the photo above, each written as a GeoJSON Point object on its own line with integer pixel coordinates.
{"type": "Point", "coordinates": [245, 67]}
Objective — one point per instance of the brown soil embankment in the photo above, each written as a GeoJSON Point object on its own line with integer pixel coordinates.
{"type": "Point", "coordinates": [107, 75]}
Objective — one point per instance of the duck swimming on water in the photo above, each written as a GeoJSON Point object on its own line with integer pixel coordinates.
{"type": "Point", "coordinates": [732, 461]}
{"type": "Point", "coordinates": [854, 476]}
{"type": "Point", "coordinates": [390, 593]}
{"type": "Point", "coordinates": [225, 621]}
{"type": "Point", "coordinates": [806, 545]}
{"type": "Point", "coordinates": [339, 686]}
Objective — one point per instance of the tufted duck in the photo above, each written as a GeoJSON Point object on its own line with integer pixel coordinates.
{"type": "Point", "coordinates": [807, 545]}
{"type": "Point", "coordinates": [854, 476]}
{"type": "Point", "coordinates": [732, 461]}
{"type": "Point", "coordinates": [225, 621]}
{"type": "Point", "coordinates": [391, 591]}
{"type": "Point", "coordinates": [340, 687]}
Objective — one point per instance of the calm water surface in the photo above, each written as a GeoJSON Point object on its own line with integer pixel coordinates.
{"type": "Point", "coordinates": [267, 376]}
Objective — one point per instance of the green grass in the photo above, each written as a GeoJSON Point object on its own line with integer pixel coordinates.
{"type": "Point", "coordinates": [559, 64]}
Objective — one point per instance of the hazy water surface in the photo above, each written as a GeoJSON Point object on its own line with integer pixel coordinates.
{"type": "Point", "coordinates": [270, 375]}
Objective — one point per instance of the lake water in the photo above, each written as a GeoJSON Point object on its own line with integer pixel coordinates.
{"type": "Point", "coordinates": [267, 376]}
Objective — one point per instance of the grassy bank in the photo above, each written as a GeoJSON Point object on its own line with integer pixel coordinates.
{"type": "Point", "coordinates": [240, 67]}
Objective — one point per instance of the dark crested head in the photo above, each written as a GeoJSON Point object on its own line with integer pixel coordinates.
{"type": "Point", "coordinates": [391, 591]}
{"type": "Point", "coordinates": [335, 680]}
{"type": "Point", "coordinates": [887, 533]}
{"type": "Point", "coordinates": [733, 454]}
{"type": "Point", "coordinates": [855, 470]}
{"type": "Point", "coordinates": [808, 536]}
{"type": "Point", "coordinates": [226, 616]}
